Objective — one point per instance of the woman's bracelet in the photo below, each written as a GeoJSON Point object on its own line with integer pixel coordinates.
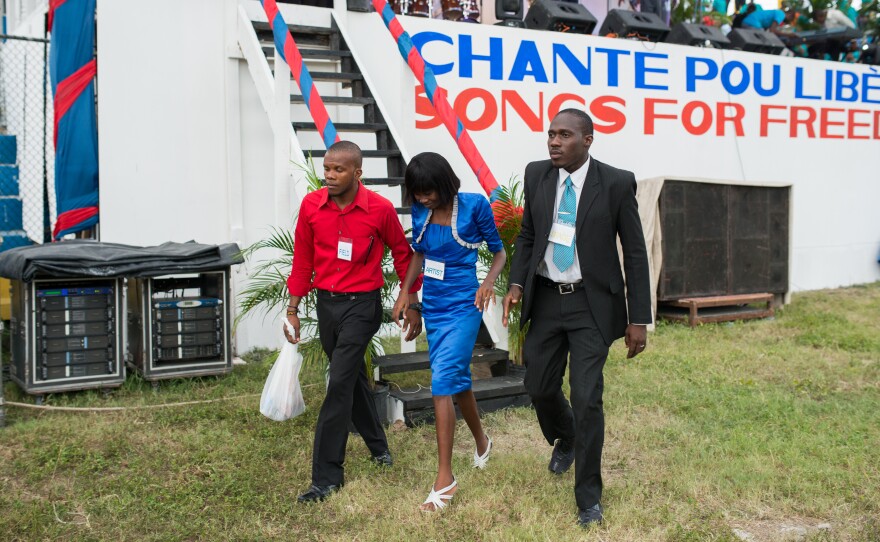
{"type": "Point", "coordinates": [292, 310]}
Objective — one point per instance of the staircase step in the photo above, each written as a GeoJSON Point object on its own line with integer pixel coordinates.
{"type": "Point", "coordinates": [264, 31]}
{"type": "Point", "coordinates": [310, 54]}
{"type": "Point", "coordinates": [383, 181]}
{"type": "Point", "coordinates": [344, 126]}
{"type": "Point", "coordinates": [417, 361]}
{"type": "Point", "coordinates": [338, 100]}
{"type": "Point", "coordinates": [336, 76]}
{"type": "Point", "coordinates": [296, 29]}
{"type": "Point", "coordinates": [491, 394]}
{"type": "Point", "coordinates": [387, 153]}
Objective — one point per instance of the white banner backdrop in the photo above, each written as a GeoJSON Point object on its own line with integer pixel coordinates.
{"type": "Point", "coordinates": [659, 110]}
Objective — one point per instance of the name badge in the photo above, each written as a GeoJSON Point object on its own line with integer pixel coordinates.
{"type": "Point", "coordinates": [435, 269]}
{"type": "Point", "coordinates": [344, 250]}
{"type": "Point", "coordinates": [562, 234]}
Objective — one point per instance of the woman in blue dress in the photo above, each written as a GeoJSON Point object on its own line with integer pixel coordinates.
{"type": "Point", "coordinates": [448, 227]}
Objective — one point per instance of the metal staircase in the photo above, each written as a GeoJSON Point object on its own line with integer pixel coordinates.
{"type": "Point", "coordinates": [331, 62]}
{"type": "Point", "coordinates": [328, 46]}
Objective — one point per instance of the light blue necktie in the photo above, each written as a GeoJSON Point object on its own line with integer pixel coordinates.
{"type": "Point", "coordinates": [563, 256]}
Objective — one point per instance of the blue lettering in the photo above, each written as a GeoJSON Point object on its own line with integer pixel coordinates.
{"type": "Point", "coordinates": [613, 72]}
{"type": "Point", "coordinates": [852, 86]}
{"type": "Point", "coordinates": [642, 69]}
{"type": "Point", "coordinates": [422, 38]}
{"type": "Point", "coordinates": [759, 88]}
{"type": "Point", "coordinates": [727, 72]}
{"type": "Point", "coordinates": [799, 86]}
{"type": "Point", "coordinates": [580, 71]}
{"type": "Point", "coordinates": [829, 83]}
{"type": "Point", "coordinates": [693, 77]}
{"type": "Point", "coordinates": [868, 87]}
{"type": "Point", "coordinates": [528, 62]}
{"type": "Point", "coordinates": [466, 57]}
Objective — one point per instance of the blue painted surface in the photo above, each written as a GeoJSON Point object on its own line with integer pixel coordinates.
{"type": "Point", "coordinates": [8, 149]}
{"type": "Point", "coordinates": [8, 180]}
{"type": "Point", "coordinates": [13, 239]}
{"type": "Point", "coordinates": [10, 214]}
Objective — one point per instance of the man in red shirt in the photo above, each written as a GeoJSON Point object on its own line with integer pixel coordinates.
{"type": "Point", "coordinates": [340, 237]}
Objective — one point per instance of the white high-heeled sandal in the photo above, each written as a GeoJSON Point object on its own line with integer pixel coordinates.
{"type": "Point", "coordinates": [439, 498]}
{"type": "Point", "coordinates": [481, 461]}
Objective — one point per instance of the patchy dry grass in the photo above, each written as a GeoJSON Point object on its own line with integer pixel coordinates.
{"type": "Point", "coordinates": [765, 430]}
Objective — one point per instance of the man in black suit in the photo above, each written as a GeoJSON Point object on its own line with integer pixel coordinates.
{"type": "Point", "coordinates": [566, 272]}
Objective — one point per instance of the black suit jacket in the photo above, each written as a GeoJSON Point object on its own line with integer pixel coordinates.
{"type": "Point", "coordinates": [607, 208]}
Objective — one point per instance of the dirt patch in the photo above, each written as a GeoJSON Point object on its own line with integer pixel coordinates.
{"type": "Point", "coordinates": [775, 530]}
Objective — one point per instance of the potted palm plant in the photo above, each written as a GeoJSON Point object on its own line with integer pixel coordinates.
{"type": "Point", "coordinates": [508, 210]}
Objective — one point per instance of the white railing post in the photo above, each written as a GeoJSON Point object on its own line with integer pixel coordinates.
{"type": "Point", "coordinates": [280, 119]}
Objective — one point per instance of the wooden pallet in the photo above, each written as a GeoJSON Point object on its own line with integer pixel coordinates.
{"type": "Point", "coordinates": [724, 308]}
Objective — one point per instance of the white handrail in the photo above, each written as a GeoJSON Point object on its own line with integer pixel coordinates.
{"type": "Point", "coordinates": [274, 93]}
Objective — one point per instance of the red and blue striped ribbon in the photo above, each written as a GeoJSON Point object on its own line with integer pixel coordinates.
{"type": "Point", "coordinates": [437, 96]}
{"type": "Point", "coordinates": [289, 51]}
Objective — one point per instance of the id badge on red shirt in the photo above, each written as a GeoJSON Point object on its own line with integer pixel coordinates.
{"type": "Point", "coordinates": [344, 249]}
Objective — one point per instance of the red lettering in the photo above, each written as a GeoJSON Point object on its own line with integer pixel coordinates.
{"type": "Point", "coordinates": [651, 115]}
{"type": "Point", "coordinates": [736, 118]}
{"type": "Point", "coordinates": [604, 113]}
{"type": "Point", "coordinates": [765, 117]}
{"type": "Point", "coordinates": [852, 124]}
{"type": "Point", "coordinates": [424, 107]}
{"type": "Point", "coordinates": [486, 118]}
{"type": "Point", "coordinates": [825, 123]}
{"type": "Point", "coordinates": [534, 121]}
{"type": "Point", "coordinates": [557, 101]}
{"type": "Point", "coordinates": [807, 122]}
{"type": "Point", "coordinates": [687, 118]}
{"type": "Point", "coordinates": [876, 124]}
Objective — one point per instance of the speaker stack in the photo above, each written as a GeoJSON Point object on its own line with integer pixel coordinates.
{"type": "Point", "coordinates": [509, 13]}
{"type": "Point", "coordinates": [756, 41]}
{"type": "Point", "coordinates": [634, 24]}
{"type": "Point", "coordinates": [698, 35]}
{"type": "Point", "coordinates": [560, 17]}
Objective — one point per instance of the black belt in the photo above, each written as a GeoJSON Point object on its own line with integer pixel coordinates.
{"type": "Point", "coordinates": [327, 294]}
{"type": "Point", "coordinates": [562, 287]}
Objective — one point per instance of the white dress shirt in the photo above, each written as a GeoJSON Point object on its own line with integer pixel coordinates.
{"type": "Point", "coordinates": [838, 19]}
{"type": "Point", "coordinates": [547, 268]}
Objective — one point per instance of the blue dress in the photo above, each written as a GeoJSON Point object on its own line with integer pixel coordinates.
{"type": "Point", "coordinates": [451, 319]}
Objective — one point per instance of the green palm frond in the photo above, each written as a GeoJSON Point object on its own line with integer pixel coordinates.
{"type": "Point", "coordinates": [314, 181]}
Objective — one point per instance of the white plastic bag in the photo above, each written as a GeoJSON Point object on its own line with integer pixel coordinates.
{"type": "Point", "coordinates": [282, 397]}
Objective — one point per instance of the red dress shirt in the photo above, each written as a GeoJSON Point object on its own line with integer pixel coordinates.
{"type": "Point", "coordinates": [370, 222]}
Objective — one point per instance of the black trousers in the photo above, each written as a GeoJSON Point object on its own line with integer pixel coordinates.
{"type": "Point", "coordinates": [346, 325]}
{"type": "Point", "coordinates": [562, 326]}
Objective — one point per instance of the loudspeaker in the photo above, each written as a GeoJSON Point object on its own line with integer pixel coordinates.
{"type": "Point", "coordinates": [756, 41]}
{"type": "Point", "coordinates": [721, 239]}
{"type": "Point", "coordinates": [870, 55]}
{"type": "Point", "coordinates": [508, 9]}
{"type": "Point", "coordinates": [698, 35]}
{"type": "Point", "coordinates": [627, 23]}
{"type": "Point", "coordinates": [560, 17]}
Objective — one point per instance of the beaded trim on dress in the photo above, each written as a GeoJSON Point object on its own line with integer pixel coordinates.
{"type": "Point", "coordinates": [454, 223]}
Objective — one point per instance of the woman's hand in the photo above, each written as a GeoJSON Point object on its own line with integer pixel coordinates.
{"type": "Point", "coordinates": [485, 294]}
{"type": "Point", "coordinates": [400, 308]}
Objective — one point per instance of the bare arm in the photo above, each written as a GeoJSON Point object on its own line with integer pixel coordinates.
{"type": "Point", "coordinates": [486, 292]}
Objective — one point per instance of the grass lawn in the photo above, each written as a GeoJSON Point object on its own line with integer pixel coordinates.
{"type": "Point", "coordinates": [770, 428]}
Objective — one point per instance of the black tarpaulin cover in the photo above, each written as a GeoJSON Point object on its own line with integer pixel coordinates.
{"type": "Point", "coordinates": [83, 258]}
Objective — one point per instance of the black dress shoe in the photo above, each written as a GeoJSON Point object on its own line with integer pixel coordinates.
{"type": "Point", "coordinates": [562, 458]}
{"type": "Point", "coordinates": [317, 493]}
{"type": "Point", "coordinates": [384, 459]}
{"type": "Point", "coordinates": [590, 516]}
